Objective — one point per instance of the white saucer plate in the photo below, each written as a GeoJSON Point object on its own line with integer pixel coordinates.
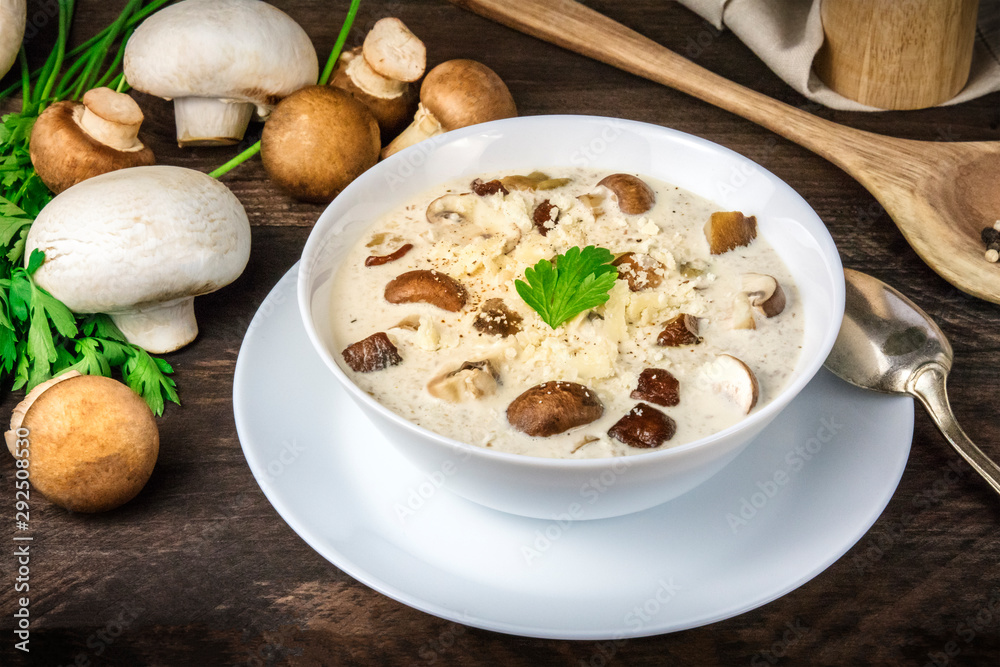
{"type": "Point", "coordinates": [805, 491]}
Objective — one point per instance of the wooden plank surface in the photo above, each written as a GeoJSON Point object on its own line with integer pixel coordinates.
{"type": "Point", "coordinates": [200, 570]}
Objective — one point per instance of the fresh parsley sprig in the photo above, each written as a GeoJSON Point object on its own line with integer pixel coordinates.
{"type": "Point", "coordinates": [570, 284]}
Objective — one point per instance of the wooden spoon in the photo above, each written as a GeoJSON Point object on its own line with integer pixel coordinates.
{"type": "Point", "coordinates": [940, 195]}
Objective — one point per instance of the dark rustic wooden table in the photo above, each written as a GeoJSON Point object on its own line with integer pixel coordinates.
{"type": "Point", "coordinates": [199, 569]}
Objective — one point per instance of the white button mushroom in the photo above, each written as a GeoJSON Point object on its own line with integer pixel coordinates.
{"type": "Point", "coordinates": [12, 17]}
{"type": "Point", "coordinates": [217, 60]}
{"type": "Point", "coordinates": [139, 244]}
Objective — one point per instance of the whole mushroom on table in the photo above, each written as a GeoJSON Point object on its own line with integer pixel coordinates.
{"type": "Point", "coordinates": [381, 74]}
{"type": "Point", "coordinates": [74, 141]}
{"type": "Point", "coordinates": [139, 244]}
{"type": "Point", "coordinates": [219, 61]}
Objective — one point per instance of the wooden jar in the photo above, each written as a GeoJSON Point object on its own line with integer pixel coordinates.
{"type": "Point", "coordinates": [897, 54]}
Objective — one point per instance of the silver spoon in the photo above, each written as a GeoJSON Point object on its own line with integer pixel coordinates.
{"type": "Point", "coordinates": [888, 344]}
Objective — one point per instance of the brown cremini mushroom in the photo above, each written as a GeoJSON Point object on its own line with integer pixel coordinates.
{"type": "Point", "coordinates": [381, 74]}
{"type": "Point", "coordinates": [631, 193]}
{"type": "Point", "coordinates": [423, 286]}
{"type": "Point", "coordinates": [643, 426]}
{"type": "Point", "coordinates": [73, 141]}
{"type": "Point", "coordinates": [545, 216]}
{"type": "Point", "coordinates": [659, 386]}
{"type": "Point", "coordinates": [554, 407]}
{"type": "Point", "coordinates": [374, 353]}
{"type": "Point", "coordinates": [727, 230]}
{"type": "Point", "coordinates": [764, 293]}
{"type": "Point", "coordinates": [679, 330]}
{"type": "Point", "coordinates": [456, 93]}
{"type": "Point", "coordinates": [640, 271]}
{"type": "Point", "coordinates": [92, 442]}
{"type": "Point", "coordinates": [317, 141]}
{"type": "Point", "coordinates": [495, 318]}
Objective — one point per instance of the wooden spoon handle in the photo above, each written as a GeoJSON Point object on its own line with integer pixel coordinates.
{"type": "Point", "coordinates": [582, 30]}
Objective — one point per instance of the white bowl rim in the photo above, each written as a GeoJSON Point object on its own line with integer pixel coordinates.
{"type": "Point", "coordinates": [495, 129]}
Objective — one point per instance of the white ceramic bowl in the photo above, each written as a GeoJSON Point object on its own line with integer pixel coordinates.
{"type": "Point", "coordinates": [592, 488]}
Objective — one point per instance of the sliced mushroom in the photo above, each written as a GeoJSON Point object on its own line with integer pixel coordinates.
{"type": "Point", "coordinates": [764, 293]}
{"type": "Point", "coordinates": [391, 102]}
{"type": "Point", "coordinates": [640, 271]}
{"type": "Point", "coordinates": [742, 313]}
{"type": "Point", "coordinates": [734, 379]}
{"type": "Point", "coordinates": [727, 230]}
{"type": "Point", "coordinates": [553, 183]}
{"type": "Point", "coordinates": [452, 208]}
{"type": "Point", "coordinates": [423, 286]}
{"type": "Point", "coordinates": [693, 269]}
{"type": "Point", "coordinates": [379, 260]}
{"type": "Point", "coordinates": [471, 380]}
{"type": "Point", "coordinates": [554, 407]}
{"type": "Point", "coordinates": [659, 386]}
{"type": "Point", "coordinates": [484, 188]}
{"type": "Point", "coordinates": [644, 426]}
{"type": "Point", "coordinates": [469, 209]}
{"type": "Point", "coordinates": [374, 353]}
{"type": "Point", "coordinates": [679, 330]}
{"type": "Point", "coordinates": [595, 202]}
{"type": "Point", "coordinates": [394, 52]}
{"type": "Point", "coordinates": [545, 216]}
{"type": "Point", "coordinates": [521, 182]}
{"type": "Point", "coordinates": [496, 318]}
{"type": "Point", "coordinates": [631, 193]}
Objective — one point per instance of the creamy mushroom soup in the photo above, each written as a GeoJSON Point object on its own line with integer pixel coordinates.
{"type": "Point", "coordinates": [702, 326]}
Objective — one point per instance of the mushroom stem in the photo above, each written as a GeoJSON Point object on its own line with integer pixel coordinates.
{"type": "Point", "coordinates": [161, 327]}
{"type": "Point", "coordinates": [21, 409]}
{"type": "Point", "coordinates": [203, 121]}
{"type": "Point", "coordinates": [424, 126]}
{"type": "Point", "coordinates": [112, 119]}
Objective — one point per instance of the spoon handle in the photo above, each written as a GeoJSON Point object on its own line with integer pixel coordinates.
{"type": "Point", "coordinates": [929, 385]}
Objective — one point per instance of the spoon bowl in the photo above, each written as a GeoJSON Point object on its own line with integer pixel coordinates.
{"type": "Point", "coordinates": [888, 344]}
{"type": "Point", "coordinates": [939, 194]}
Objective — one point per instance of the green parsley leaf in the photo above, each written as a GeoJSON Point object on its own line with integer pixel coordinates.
{"type": "Point", "coordinates": [572, 283]}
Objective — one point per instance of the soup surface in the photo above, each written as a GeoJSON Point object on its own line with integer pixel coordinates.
{"type": "Point", "coordinates": [663, 344]}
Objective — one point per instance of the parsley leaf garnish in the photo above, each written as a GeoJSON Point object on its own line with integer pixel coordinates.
{"type": "Point", "coordinates": [571, 283]}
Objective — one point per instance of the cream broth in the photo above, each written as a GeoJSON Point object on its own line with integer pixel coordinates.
{"type": "Point", "coordinates": [604, 349]}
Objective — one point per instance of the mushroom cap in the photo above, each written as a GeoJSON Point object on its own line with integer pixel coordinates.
{"type": "Point", "coordinates": [393, 106]}
{"type": "Point", "coordinates": [317, 141]}
{"type": "Point", "coordinates": [12, 18]}
{"type": "Point", "coordinates": [236, 50]}
{"type": "Point", "coordinates": [462, 92]}
{"type": "Point", "coordinates": [139, 236]}
{"type": "Point", "coordinates": [93, 442]}
{"type": "Point", "coordinates": [395, 52]}
{"type": "Point", "coordinates": [64, 154]}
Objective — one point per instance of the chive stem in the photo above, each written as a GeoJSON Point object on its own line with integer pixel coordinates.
{"type": "Point", "coordinates": [338, 46]}
{"type": "Point", "coordinates": [236, 161]}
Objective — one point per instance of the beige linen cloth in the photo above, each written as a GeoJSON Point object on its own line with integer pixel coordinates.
{"type": "Point", "coordinates": [786, 34]}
